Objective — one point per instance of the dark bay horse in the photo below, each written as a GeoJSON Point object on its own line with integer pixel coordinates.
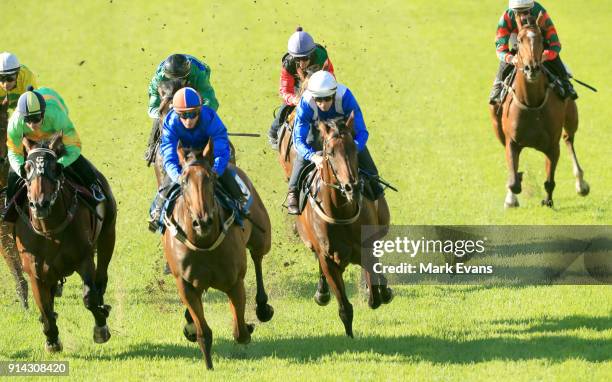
{"type": "Point", "coordinates": [533, 115]}
{"type": "Point", "coordinates": [7, 243]}
{"type": "Point", "coordinates": [330, 225]}
{"type": "Point", "coordinates": [206, 250]}
{"type": "Point", "coordinates": [166, 90]}
{"type": "Point", "coordinates": [59, 233]}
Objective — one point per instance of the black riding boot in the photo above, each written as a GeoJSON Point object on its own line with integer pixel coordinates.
{"type": "Point", "coordinates": [87, 174]}
{"type": "Point", "coordinates": [149, 154]}
{"type": "Point", "coordinates": [281, 115]}
{"type": "Point", "coordinates": [158, 204]}
{"type": "Point", "coordinates": [230, 184]}
{"type": "Point", "coordinates": [558, 69]}
{"type": "Point", "coordinates": [366, 165]}
{"type": "Point", "coordinates": [292, 196]}
{"type": "Point", "coordinates": [503, 71]}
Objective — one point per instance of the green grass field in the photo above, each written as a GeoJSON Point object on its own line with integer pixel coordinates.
{"type": "Point", "coordinates": [421, 71]}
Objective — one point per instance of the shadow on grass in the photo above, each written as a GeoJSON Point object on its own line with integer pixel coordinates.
{"type": "Point", "coordinates": [554, 348]}
{"type": "Point", "coordinates": [566, 323]}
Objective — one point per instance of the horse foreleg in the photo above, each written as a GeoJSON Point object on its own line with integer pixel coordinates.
{"type": "Point", "coordinates": [10, 254]}
{"type": "Point", "coordinates": [44, 301]}
{"type": "Point", "coordinates": [514, 177]}
{"type": "Point", "coordinates": [192, 298]}
{"type": "Point", "coordinates": [91, 300]}
{"type": "Point", "coordinates": [264, 311]}
{"type": "Point", "coordinates": [322, 295]}
{"type": "Point", "coordinates": [551, 164]}
{"type": "Point", "coordinates": [237, 299]}
{"type": "Point", "coordinates": [570, 128]}
{"type": "Point", "coordinates": [333, 273]}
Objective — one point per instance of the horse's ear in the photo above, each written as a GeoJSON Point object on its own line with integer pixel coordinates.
{"type": "Point", "coordinates": [57, 143]}
{"type": "Point", "coordinates": [181, 153]}
{"type": "Point", "coordinates": [28, 144]}
{"type": "Point", "coordinates": [208, 152]}
{"type": "Point", "coordinates": [540, 20]}
{"type": "Point", "coordinates": [324, 129]}
{"type": "Point", "coordinates": [519, 23]}
{"type": "Point", "coordinates": [350, 121]}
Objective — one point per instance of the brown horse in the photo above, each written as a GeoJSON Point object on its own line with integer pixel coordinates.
{"type": "Point", "coordinates": [205, 249]}
{"type": "Point", "coordinates": [166, 90]}
{"type": "Point", "coordinates": [59, 233]}
{"type": "Point", "coordinates": [7, 243]}
{"type": "Point", "coordinates": [330, 224]}
{"type": "Point", "coordinates": [535, 116]}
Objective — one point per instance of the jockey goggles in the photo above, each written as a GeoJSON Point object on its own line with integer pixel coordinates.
{"type": "Point", "coordinates": [8, 77]}
{"type": "Point", "coordinates": [324, 99]}
{"type": "Point", "coordinates": [188, 114]}
{"type": "Point", "coordinates": [34, 118]}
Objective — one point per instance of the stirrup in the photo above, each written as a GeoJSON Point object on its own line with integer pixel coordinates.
{"type": "Point", "coordinates": [97, 193]}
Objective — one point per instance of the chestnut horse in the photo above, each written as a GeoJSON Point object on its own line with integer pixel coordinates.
{"type": "Point", "coordinates": [205, 249]}
{"type": "Point", "coordinates": [535, 116]}
{"type": "Point", "coordinates": [59, 233]}
{"type": "Point", "coordinates": [330, 225]}
{"type": "Point", "coordinates": [7, 243]}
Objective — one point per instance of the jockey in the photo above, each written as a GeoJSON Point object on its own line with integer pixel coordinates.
{"type": "Point", "coordinates": [38, 116]}
{"type": "Point", "coordinates": [506, 32]}
{"type": "Point", "coordinates": [302, 52]}
{"type": "Point", "coordinates": [326, 99]}
{"type": "Point", "coordinates": [192, 124]}
{"type": "Point", "coordinates": [14, 79]}
{"type": "Point", "coordinates": [195, 74]}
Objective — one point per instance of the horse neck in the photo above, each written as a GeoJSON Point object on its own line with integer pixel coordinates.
{"type": "Point", "coordinates": [58, 213]}
{"type": "Point", "coordinates": [530, 93]}
{"type": "Point", "coordinates": [334, 203]}
{"type": "Point", "coordinates": [183, 218]}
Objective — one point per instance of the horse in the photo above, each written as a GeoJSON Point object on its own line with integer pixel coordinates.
{"type": "Point", "coordinates": [535, 116]}
{"type": "Point", "coordinates": [7, 243]}
{"type": "Point", "coordinates": [166, 90]}
{"type": "Point", "coordinates": [59, 233]}
{"type": "Point", "coordinates": [205, 249]}
{"type": "Point", "coordinates": [331, 222]}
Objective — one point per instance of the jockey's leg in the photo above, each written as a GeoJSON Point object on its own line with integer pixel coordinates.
{"type": "Point", "coordinates": [292, 195]}
{"type": "Point", "coordinates": [230, 184]}
{"type": "Point", "coordinates": [276, 124]}
{"type": "Point", "coordinates": [153, 136]}
{"type": "Point", "coordinates": [84, 169]}
{"type": "Point", "coordinates": [502, 72]}
{"type": "Point", "coordinates": [366, 164]}
{"type": "Point", "coordinates": [556, 66]}
{"type": "Point", "coordinates": [158, 203]}
{"type": "Point", "coordinates": [13, 184]}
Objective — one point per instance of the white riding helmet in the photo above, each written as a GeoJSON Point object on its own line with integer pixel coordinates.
{"type": "Point", "coordinates": [322, 84]}
{"type": "Point", "coordinates": [520, 5]}
{"type": "Point", "coordinates": [9, 63]}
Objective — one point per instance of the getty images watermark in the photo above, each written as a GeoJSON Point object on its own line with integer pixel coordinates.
{"type": "Point", "coordinates": [530, 255]}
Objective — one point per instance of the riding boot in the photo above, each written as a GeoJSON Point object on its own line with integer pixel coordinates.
{"type": "Point", "coordinates": [569, 89]}
{"type": "Point", "coordinates": [292, 202]}
{"type": "Point", "coordinates": [494, 97]}
{"type": "Point", "coordinates": [230, 184]}
{"type": "Point", "coordinates": [149, 154]}
{"type": "Point", "coordinates": [155, 212]}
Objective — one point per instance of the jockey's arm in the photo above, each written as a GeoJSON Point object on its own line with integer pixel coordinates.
{"type": "Point", "coordinates": [287, 87]}
{"type": "Point", "coordinates": [154, 98]}
{"type": "Point", "coordinates": [14, 142]}
{"type": "Point", "coordinates": [168, 147]}
{"type": "Point", "coordinates": [203, 86]}
{"type": "Point", "coordinates": [70, 138]}
{"type": "Point", "coordinates": [303, 120]}
{"type": "Point", "coordinates": [221, 145]}
{"type": "Point", "coordinates": [551, 37]}
{"type": "Point", "coordinates": [502, 38]}
{"type": "Point", "coordinates": [329, 66]}
{"type": "Point", "coordinates": [350, 105]}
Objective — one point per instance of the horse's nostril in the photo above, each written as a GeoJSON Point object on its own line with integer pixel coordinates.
{"type": "Point", "coordinates": [195, 224]}
{"type": "Point", "coordinates": [32, 205]}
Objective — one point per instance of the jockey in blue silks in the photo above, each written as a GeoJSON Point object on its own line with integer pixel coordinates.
{"type": "Point", "coordinates": [192, 124]}
{"type": "Point", "coordinates": [326, 99]}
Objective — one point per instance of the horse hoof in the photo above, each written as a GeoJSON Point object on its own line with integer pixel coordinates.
{"type": "Point", "coordinates": [322, 299]}
{"type": "Point", "coordinates": [264, 312]}
{"type": "Point", "coordinates": [167, 270]}
{"type": "Point", "coordinates": [54, 347]}
{"type": "Point", "coordinates": [251, 328]}
{"type": "Point", "coordinates": [386, 295]}
{"type": "Point", "coordinates": [374, 303]}
{"type": "Point", "coordinates": [547, 203]}
{"type": "Point", "coordinates": [59, 290]}
{"type": "Point", "coordinates": [101, 334]}
{"type": "Point", "coordinates": [583, 188]}
{"type": "Point", "coordinates": [189, 332]}
{"type": "Point", "coordinates": [511, 200]}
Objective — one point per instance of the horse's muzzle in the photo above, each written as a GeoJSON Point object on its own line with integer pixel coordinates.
{"type": "Point", "coordinates": [41, 210]}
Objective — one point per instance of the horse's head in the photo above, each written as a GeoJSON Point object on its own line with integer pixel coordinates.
{"type": "Point", "coordinates": [43, 174]}
{"type": "Point", "coordinates": [197, 186]}
{"type": "Point", "coordinates": [530, 46]}
{"type": "Point", "coordinates": [166, 90]}
{"type": "Point", "coordinates": [340, 154]}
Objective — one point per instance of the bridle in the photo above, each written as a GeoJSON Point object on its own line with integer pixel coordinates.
{"type": "Point", "coordinates": [328, 157]}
